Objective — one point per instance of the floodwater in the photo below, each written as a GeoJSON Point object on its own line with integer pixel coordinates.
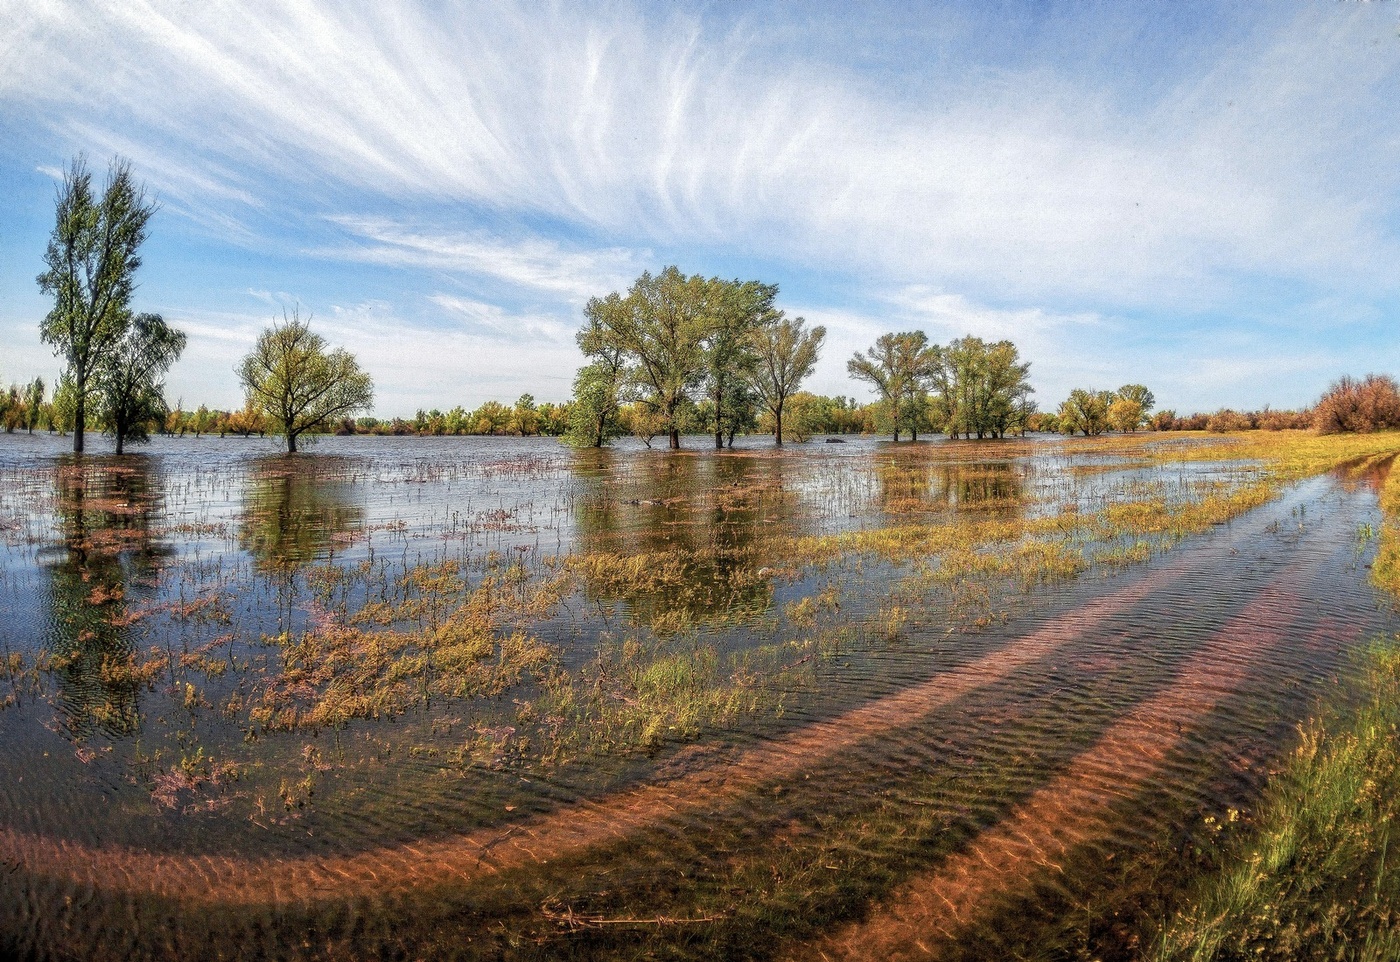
{"type": "Point", "coordinates": [495, 698]}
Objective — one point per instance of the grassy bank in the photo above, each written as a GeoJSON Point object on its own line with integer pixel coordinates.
{"type": "Point", "coordinates": [1314, 876]}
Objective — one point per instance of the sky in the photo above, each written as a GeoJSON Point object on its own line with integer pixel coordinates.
{"type": "Point", "coordinates": [1200, 197]}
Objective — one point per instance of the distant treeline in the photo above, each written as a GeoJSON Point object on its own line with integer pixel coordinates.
{"type": "Point", "coordinates": [673, 355]}
{"type": "Point", "coordinates": [1350, 405]}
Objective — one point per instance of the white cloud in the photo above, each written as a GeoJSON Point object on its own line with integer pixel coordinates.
{"type": "Point", "coordinates": [535, 264]}
{"type": "Point", "coordinates": [490, 320]}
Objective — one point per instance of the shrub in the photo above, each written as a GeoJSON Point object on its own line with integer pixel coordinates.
{"type": "Point", "coordinates": [1370, 404]}
{"type": "Point", "coordinates": [1227, 420]}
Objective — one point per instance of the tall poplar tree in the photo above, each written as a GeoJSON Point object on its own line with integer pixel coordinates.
{"type": "Point", "coordinates": [92, 261]}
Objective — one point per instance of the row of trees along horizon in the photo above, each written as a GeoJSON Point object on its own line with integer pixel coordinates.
{"type": "Point", "coordinates": [674, 355]}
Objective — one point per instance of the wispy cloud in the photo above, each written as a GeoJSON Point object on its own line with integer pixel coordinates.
{"type": "Point", "coordinates": [489, 320]}
{"type": "Point", "coordinates": [534, 264]}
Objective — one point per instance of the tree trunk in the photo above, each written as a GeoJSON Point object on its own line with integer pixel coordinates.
{"type": "Point", "coordinates": [778, 425]}
{"type": "Point", "coordinates": [675, 437]}
{"type": "Point", "coordinates": [79, 416]}
{"type": "Point", "coordinates": [121, 436]}
{"type": "Point", "coordinates": [719, 437]}
{"type": "Point", "coordinates": [291, 443]}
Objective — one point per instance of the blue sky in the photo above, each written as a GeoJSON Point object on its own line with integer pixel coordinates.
{"type": "Point", "coordinates": [1201, 197]}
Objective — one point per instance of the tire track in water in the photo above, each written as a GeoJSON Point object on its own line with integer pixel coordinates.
{"type": "Point", "coordinates": [464, 858]}
{"type": "Point", "coordinates": [1077, 805]}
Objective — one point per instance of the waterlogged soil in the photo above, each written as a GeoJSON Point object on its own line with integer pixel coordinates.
{"type": "Point", "coordinates": [494, 698]}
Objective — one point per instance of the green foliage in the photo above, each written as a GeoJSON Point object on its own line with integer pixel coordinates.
{"type": "Point", "coordinates": [671, 340]}
{"type": "Point", "coordinates": [298, 384]}
{"type": "Point", "coordinates": [1085, 412]}
{"type": "Point", "coordinates": [659, 330]}
{"type": "Point", "coordinates": [130, 385]}
{"type": "Point", "coordinates": [64, 410]}
{"type": "Point", "coordinates": [786, 353]}
{"type": "Point", "coordinates": [978, 388]}
{"type": "Point", "coordinates": [981, 389]}
{"type": "Point", "coordinates": [34, 403]}
{"type": "Point", "coordinates": [91, 264]}
{"type": "Point", "coordinates": [737, 311]}
{"type": "Point", "coordinates": [595, 415]}
{"type": "Point", "coordinates": [899, 367]}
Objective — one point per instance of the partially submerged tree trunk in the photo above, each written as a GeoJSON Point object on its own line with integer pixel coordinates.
{"type": "Point", "coordinates": [79, 417]}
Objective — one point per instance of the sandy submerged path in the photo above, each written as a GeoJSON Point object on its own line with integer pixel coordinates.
{"type": "Point", "coordinates": [1240, 600]}
{"type": "Point", "coordinates": [1077, 806]}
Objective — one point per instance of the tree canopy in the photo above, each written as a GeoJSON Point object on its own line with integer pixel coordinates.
{"type": "Point", "coordinates": [899, 367]}
{"type": "Point", "coordinates": [130, 379]}
{"type": "Point", "coordinates": [786, 352]}
{"type": "Point", "coordinates": [1085, 412]}
{"type": "Point", "coordinates": [300, 385]}
{"type": "Point", "coordinates": [91, 262]}
{"type": "Point", "coordinates": [681, 347]}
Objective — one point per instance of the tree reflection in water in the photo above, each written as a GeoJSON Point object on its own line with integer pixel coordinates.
{"type": "Point", "coordinates": [914, 485]}
{"type": "Point", "coordinates": [708, 514]}
{"type": "Point", "coordinates": [105, 510]}
{"type": "Point", "coordinates": [296, 510]}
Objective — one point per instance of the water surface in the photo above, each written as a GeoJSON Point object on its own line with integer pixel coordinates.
{"type": "Point", "coordinates": [720, 743]}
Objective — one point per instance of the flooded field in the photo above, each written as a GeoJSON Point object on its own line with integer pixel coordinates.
{"type": "Point", "coordinates": [496, 698]}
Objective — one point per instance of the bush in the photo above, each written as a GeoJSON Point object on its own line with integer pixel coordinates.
{"type": "Point", "coordinates": [1228, 420]}
{"type": "Point", "coordinates": [1285, 420]}
{"type": "Point", "coordinates": [1370, 404]}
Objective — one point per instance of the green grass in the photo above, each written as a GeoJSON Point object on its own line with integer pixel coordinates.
{"type": "Point", "coordinates": [1315, 878]}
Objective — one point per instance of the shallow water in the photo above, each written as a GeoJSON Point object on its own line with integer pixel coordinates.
{"type": "Point", "coordinates": [961, 780]}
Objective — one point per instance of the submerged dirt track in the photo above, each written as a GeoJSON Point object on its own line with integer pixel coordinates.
{"type": "Point", "coordinates": [1225, 629]}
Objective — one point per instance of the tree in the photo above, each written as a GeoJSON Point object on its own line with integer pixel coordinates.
{"type": "Point", "coordinates": [92, 261]}
{"type": "Point", "coordinates": [1085, 411]}
{"type": "Point", "coordinates": [1125, 415]}
{"type": "Point", "coordinates": [63, 410]}
{"type": "Point", "coordinates": [660, 327]}
{"type": "Point", "coordinates": [492, 417]}
{"type": "Point", "coordinates": [787, 352]}
{"type": "Point", "coordinates": [600, 387]}
{"type": "Point", "coordinates": [299, 384]}
{"type": "Point", "coordinates": [34, 403]}
{"type": "Point", "coordinates": [12, 411]}
{"type": "Point", "coordinates": [131, 390]}
{"type": "Point", "coordinates": [736, 311]}
{"type": "Point", "coordinates": [981, 388]}
{"type": "Point", "coordinates": [525, 417]}
{"type": "Point", "coordinates": [1131, 407]}
{"type": "Point", "coordinates": [899, 366]}
{"type": "Point", "coordinates": [1370, 404]}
